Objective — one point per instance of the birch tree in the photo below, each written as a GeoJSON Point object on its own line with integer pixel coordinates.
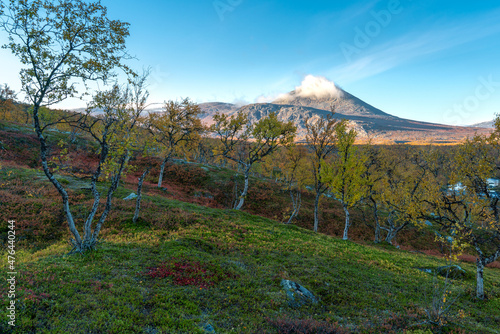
{"type": "Point", "coordinates": [7, 99]}
{"type": "Point", "coordinates": [177, 123]}
{"type": "Point", "coordinates": [321, 139]}
{"type": "Point", "coordinates": [146, 149]}
{"type": "Point", "coordinates": [245, 143]}
{"type": "Point", "coordinates": [344, 176]}
{"type": "Point", "coordinates": [115, 132]}
{"type": "Point", "coordinates": [468, 209]}
{"type": "Point", "coordinates": [295, 176]}
{"type": "Point", "coordinates": [373, 176]}
{"type": "Point", "coordinates": [405, 189]}
{"type": "Point", "coordinates": [58, 45]}
{"type": "Point", "coordinates": [144, 143]}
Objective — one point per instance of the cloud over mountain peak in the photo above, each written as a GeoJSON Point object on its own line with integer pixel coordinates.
{"type": "Point", "coordinates": [315, 87]}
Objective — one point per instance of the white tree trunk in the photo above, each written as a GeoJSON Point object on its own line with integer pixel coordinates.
{"type": "Point", "coordinates": [296, 202]}
{"type": "Point", "coordinates": [64, 194]}
{"type": "Point", "coordinates": [139, 194]}
{"type": "Point", "coordinates": [480, 278]}
{"type": "Point", "coordinates": [377, 222]}
{"type": "Point", "coordinates": [162, 170]}
{"type": "Point", "coordinates": [316, 211]}
{"type": "Point", "coordinates": [244, 193]}
{"type": "Point", "coordinates": [347, 222]}
{"type": "Point", "coordinates": [107, 207]}
{"type": "Point", "coordinates": [391, 234]}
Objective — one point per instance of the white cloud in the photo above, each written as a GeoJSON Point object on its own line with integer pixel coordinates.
{"type": "Point", "coordinates": [315, 87]}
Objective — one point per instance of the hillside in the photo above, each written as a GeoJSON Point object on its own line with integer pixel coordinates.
{"type": "Point", "coordinates": [383, 129]}
{"type": "Point", "coordinates": [210, 108]}
{"type": "Point", "coordinates": [226, 272]}
{"type": "Point", "coordinates": [200, 268]}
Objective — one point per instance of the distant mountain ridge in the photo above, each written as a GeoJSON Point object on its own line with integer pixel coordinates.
{"type": "Point", "coordinates": [210, 108]}
{"type": "Point", "coordinates": [315, 98]}
{"type": "Point", "coordinates": [487, 124]}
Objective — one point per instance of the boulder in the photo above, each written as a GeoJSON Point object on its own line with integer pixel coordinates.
{"type": "Point", "coordinates": [297, 294]}
{"type": "Point", "coordinates": [208, 328]}
{"type": "Point", "coordinates": [452, 271]}
{"type": "Point", "coordinates": [425, 270]}
{"type": "Point", "coordinates": [130, 197]}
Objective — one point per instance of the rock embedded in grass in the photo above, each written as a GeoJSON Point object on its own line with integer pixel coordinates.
{"type": "Point", "coordinates": [130, 197]}
{"type": "Point", "coordinates": [297, 294]}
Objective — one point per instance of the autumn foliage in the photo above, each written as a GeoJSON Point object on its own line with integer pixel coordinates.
{"type": "Point", "coordinates": [182, 271]}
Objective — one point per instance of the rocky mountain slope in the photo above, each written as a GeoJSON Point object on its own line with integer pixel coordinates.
{"type": "Point", "coordinates": [316, 96]}
{"type": "Point", "coordinates": [487, 124]}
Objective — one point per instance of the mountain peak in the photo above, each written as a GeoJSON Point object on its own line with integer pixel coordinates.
{"type": "Point", "coordinates": [316, 96]}
{"type": "Point", "coordinates": [321, 93]}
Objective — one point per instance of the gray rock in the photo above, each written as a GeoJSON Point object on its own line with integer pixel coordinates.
{"type": "Point", "coordinates": [425, 270]}
{"type": "Point", "coordinates": [208, 328]}
{"type": "Point", "coordinates": [452, 271]}
{"type": "Point", "coordinates": [203, 194]}
{"type": "Point", "coordinates": [150, 330]}
{"type": "Point", "coordinates": [297, 294]}
{"type": "Point", "coordinates": [130, 197]}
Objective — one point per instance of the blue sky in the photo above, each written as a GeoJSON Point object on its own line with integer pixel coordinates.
{"type": "Point", "coordinates": [434, 61]}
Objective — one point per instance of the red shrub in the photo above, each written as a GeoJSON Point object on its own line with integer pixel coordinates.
{"type": "Point", "coordinates": [186, 272]}
{"type": "Point", "coordinates": [304, 326]}
{"type": "Point", "coordinates": [185, 174]}
{"type": "Point", "coordinates": [19, 147]}
{"type": "Point", "coordinates": [37, 212]}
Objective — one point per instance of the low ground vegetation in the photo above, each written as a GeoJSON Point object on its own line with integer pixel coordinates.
{"type": "Point", "coordinates": [192, 265]}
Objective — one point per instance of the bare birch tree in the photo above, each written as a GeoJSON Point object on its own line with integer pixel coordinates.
{"type": "Point", "coordinates": [58, 44]}
{"type": "Point", "coordinates": [246, 144]}
{"type": "Point", "coordinates": [321, 138]}
{"type": "Point", "coordinates": [177, 123]}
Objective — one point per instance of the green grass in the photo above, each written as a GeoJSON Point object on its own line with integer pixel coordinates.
{"type": "Point", "coordinates": [362, 288]}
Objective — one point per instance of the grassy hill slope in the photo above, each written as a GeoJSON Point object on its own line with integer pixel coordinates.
{"type": "Point", "coordinates": [226, 268]}
{"type": "Point", "coordinates": [189, 268]}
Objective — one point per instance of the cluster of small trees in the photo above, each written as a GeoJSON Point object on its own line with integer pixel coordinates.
{"type": "Point", "coordinates": [444, 190]}
{"type": "Point", "coordinates": [74, 42]}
